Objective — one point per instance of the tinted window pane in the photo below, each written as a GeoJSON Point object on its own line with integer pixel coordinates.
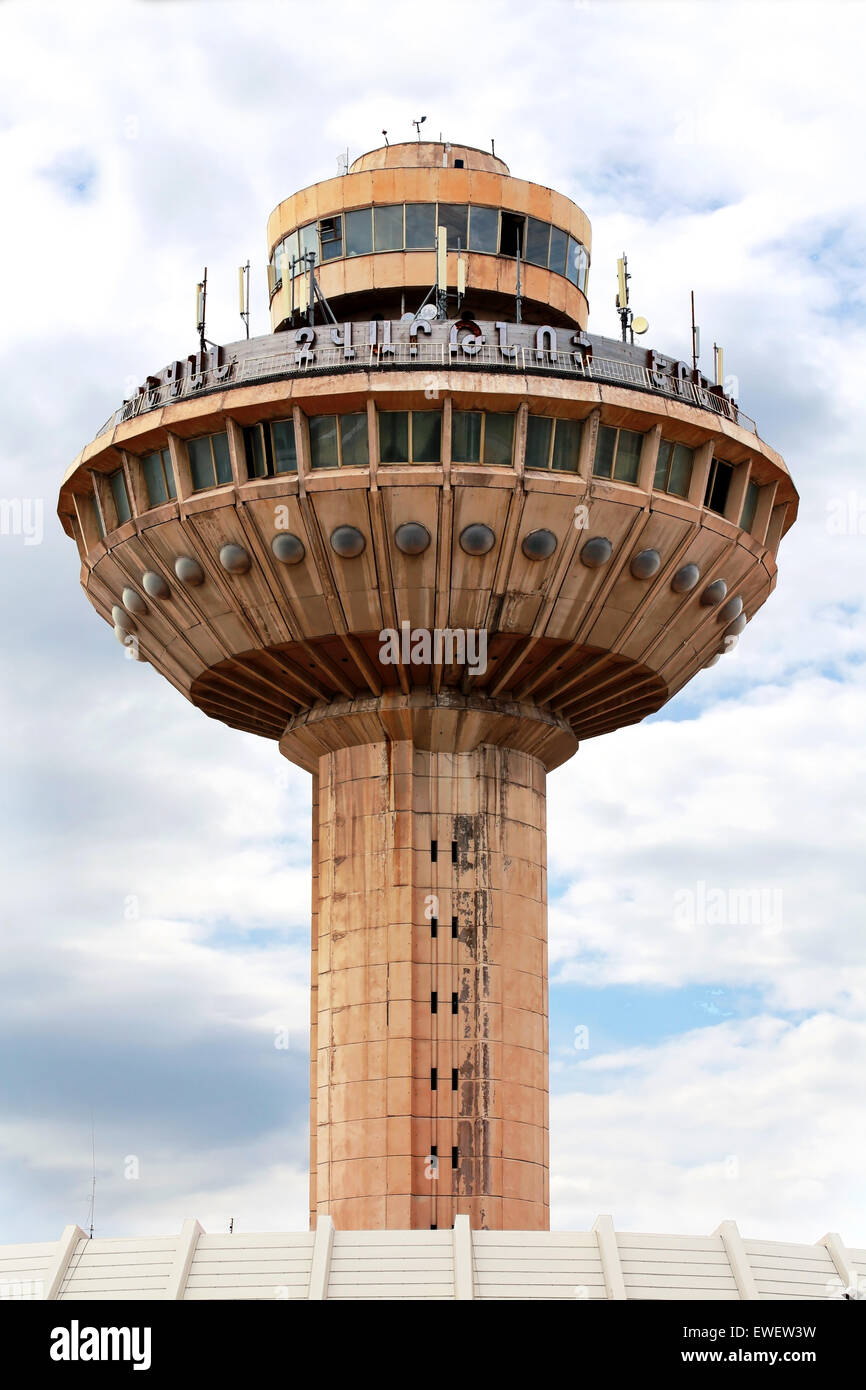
{"type": "Point", "coordinates": [572, 261]}
{"type": "Point", "coordinates": [222, 458]}
{"type": "Point", "coordinates": [466, 436]}
{"type": "Point", "coordinates": [426, 436]}
{"type": "Point", "coordinates": [201, 463]}
{"type": "Point", "coordinates": [537, 239]}
{"type": "Point", "coordinates": [717, 488]}
{"type": "Point", "coordinates": [169, 476]}
{"type": "Point", "coordinates": [681, 471]}
{"type": "Point", "coordinates": [538, 441]}
{"type": "Point", "coordinates": [97, 519]}
{"type": "Point", "coordinates": [498, 436]}
{"type": "Point", "coordinates": [388, 227]}
{"type": "Point", "coordinates": [151, 467]}
{"type": "Point", "coordinates": [566, 445]}
{"type": "Point", "coordinates": [558, 250]}
{"type": "Point", "coordinates": [353, 439]}
{"type": "Point", "coordinates": [484, 229]}
{"type": "Point", "coordinates": [420, 225]}
{"type": "Point", "coordinates": [660, 480]}
{"type": "Point", "coordinates": [627, 456]}
{"type": "Point", "coordinates": [454, 217]}
{"type": "Point", "coordinates": [323, 441]}
{"type": "Point", "coordinates": [749, 506]}
{"type": "Point", "coordinates": [121, 501]}
{"type": "Point", "coordinates": [254, 452]}
{"type": "Point", "coordinates": [582, 269]}
{"type": "Point", "coordinates": [394, 436]}
{"type": "Point", "coordinates": [309, 237]}
{"type": "Point", "coordinates": [331, 237]}
{"type": "Point", "coordinates": [290, 250]}
{"type": "Point", "coordinates": [359, 232]}
{"type": "Point", "coordinates": [604, 451]}
{"type": "Point", "coordinates": [285, 455]}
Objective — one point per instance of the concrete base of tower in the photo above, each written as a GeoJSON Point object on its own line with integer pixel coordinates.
{"type": "Point", "coordinates": [429, 988]}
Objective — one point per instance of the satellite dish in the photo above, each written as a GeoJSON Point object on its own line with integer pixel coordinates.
{"type": "Point", "coordinates": [428, 312]}
{"type": "Point", "coordinates": [640, 325]}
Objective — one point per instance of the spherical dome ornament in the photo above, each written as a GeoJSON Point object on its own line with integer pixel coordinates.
{"type": "Point", "coordinates": [477, 539]}
{"type": "Point", "coordinates": [732, 609]}
{"type": "Point", "coordinates": [122, 619]}
{"type": "Point", "coordinates": [348, 541]}
{"type": "Point", "coordinates": [133, 602]}
{"type": "Point", "coordinates": [596, 552]}
{"type": "Point", "coordinates": [737, 626]}
{"type": "Point", "coordinates": [714, 593]}
{"type": "Point", "coordinates": [539, 545]}
{"type": "Point", "coordinates": [154, 585]}
{"type": "Point", "coordinates": [685, 579]}
{"type": "Point", "coordinates": [234, 559]}
{"type": "Point", "coordinates": [289, 549]}
{"type": "Point", "coordinates": [412, 538]}
{"type": "Point", "coordinates": [189, 571]}
{"type": "Point", "coordinates": [645, 564]}
{"type": "Point", "coordinates": [728, 644]}
{"type": "Point", "coordinates": [120, 634]}
{"type": "Point", "coordinates": [712, 661]}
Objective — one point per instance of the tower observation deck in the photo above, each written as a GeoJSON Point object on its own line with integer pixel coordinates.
{"type": "Point", "coordinates": [427, 535]}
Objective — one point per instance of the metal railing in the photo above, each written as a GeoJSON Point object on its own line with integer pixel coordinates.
{"type": "Point", "coordinates": [298, 361]}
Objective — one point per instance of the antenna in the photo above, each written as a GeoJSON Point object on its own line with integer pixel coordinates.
{"type": "Point", "coordinates": [630, 325]}
{"type": "Point", "coordinates": [387, 141]}
{"type": "Point", "coordinates": [201, 309]}
{"type": "Point", "coordinates": [492, 145]}
{"type": "Point", "coordinates": [696, 338]}
{"type": "Point", "coordinates": [343, 163]}
{"type": "Point", "coordinates": [441, 273]}
{"type": "Point", "coordinates": [244, 294]}
{"type": "Point", "coordinates": [231, 1226]}
{"type": "Point", "coordinates": [418, 125]}
{"type": "Point", "coordinates": [93, 1173]}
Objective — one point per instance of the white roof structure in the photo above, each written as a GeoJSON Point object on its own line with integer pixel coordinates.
{"type": "Point", "coordinates": [447, 1264]}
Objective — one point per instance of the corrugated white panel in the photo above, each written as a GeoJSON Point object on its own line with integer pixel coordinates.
{"type": "Point", "coordinates": [792, 1271]}
{"type": "Point", "coordinates": [258, 1265]}
{"type": "Point", "coordinates": [119, 1268]}
{"type": "Point", "coordinates": [537, 1265]}
{"type": "Point", "coordinates": [392, 1264]}
{"type": "Point", "coordinates": [675, 1267]}
{"type": "Point", "coordinates": [23, 1269]}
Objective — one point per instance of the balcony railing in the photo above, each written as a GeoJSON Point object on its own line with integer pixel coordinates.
{"type": "Point", "coordinates": [295, 361]}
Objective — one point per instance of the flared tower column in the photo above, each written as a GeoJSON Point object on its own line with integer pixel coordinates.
{"type": "Point", "coordinates": [429, 979]}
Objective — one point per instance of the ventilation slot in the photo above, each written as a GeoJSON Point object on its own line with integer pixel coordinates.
{"type": "Point", "coordinates": [434, 851]}
{"type": "Point", "coordinates": [434, 926]}
{"type": "Point", "coordinates": [454, 1078]}
{"type": "Point", "coordinates": [454, 1001]}
{"type": "Point", "coordinates": [434, 1002]}
{"type": "Point", "coordinates": [433, 1079]}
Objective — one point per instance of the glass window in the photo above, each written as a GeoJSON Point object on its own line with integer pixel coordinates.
{"type": "Point", "coordinates": [627, 456]}
{"type": "Point", "coordinates": [254, 448]}
{"type": "Point", "coordinates": [331, 237]}
{"type": "Point", "coordinates": [604, 452]}
{"type": "Point", "coordinates": [673, 468]}
{"type": "Point", "coordinates": [573, 260]}
{"type": "Point", "coordinates": [466, 436]}
{"type": "Point", "coordinates": [284, 452]}
{"type": "Point", "coordinates": [91, 510]}
{"type": "Point", "coordinates": [498, 438]}
{"type": "Point", "coordinates": [359, 232]}
{"type": "Point", "coordinates": [537, 241]}
{"type": "Point", "coordinates": [566, 445]}
{"type": "Point", "coordinates": [121, 498]}
{"type": "Point", "coordinates": [222, 457]}
{"type": "Point", "coordinates": [582, 269]}
{"type": "Point", "coordinates": [353, 440]}
{"type": "Point", "coordinates": [426, 436]}
{"type": "Point", "coordinates": [420, 226]}
{"type": "Point", "coordinates": [290, 247]}
{"type": "Point", "coordinates": [454, 217]}
{"type": "Point", "coordinates": [309, 240]}
{"type": "Point", "coordinates": [511, 233]}
{"type": "Point", "coordinates": [323, 442]}
{"type": "Point", "coordinates": [539, 429]}
{"type": "Point", "coordinates": [394, 436]}
{"type": "Point", "coordinates": [484, 229]}
{"type": "Point", "coordinates": [388, 228]}
{"type": "Point", "coordinates": [750, 505]}
{"type": "Point", "coordinates": [718, 483]}
{"type": "Point", "coordinates": [158, 477]}
{"type": "Point", "coordinates": [558, 250]}
{"type": "Point", "coordinates": [209, 460]}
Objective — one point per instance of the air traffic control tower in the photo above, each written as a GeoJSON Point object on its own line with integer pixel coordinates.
{"type": "Point", "coordinates": [427, 535]}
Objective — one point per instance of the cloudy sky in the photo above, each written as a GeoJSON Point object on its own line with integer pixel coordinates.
{"type": "Point", "coordinates": [155, 906]}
